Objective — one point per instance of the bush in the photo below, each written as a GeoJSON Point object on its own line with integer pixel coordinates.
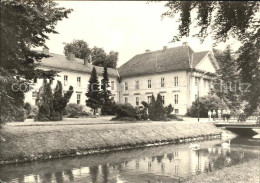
{"type": "Point", "coordinates": [123, 119]}
{"type": "Point", "coordinates": [156, 110]}
{"type": "Point", "coordinates": [125, 110]}
{"type": "Point", "coordinates": [108, 108]}
{"type": "Point", "coordinates": [75, 111]}
{"type": "Point", "coordinates": [30, 110]}
{"type": "Point", "coordinates": [142, 113]}
{"type": "Point", "coordinates": [205, 104]}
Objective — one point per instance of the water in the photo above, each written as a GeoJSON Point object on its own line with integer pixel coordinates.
{"type": "Point", "coordinates": [171, 163]}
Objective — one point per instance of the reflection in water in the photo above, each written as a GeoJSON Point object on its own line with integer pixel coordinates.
{"type": "Point", "coordinates": [154, 164]}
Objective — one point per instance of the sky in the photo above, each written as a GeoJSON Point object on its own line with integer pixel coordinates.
{"type": "Point", "coordinates": [128, 27]}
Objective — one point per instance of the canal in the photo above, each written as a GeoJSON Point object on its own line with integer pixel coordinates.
{"type": "Point", "coordinates": [169, 163]}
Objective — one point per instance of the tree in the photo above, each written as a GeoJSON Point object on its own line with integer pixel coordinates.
{"type": "Point", "coordinates": [51, 105]}
{"type": "Point", "coordinates": [79, 47]}
{"type": "Point", "coordinates": [226, 84]}
{"type": "Point", "coordinates": [94, 98]}
{"type": "Point", "coordinates": [206, 103]}
{"type": "Point", "coordinates": [100, 58]}
{"type": "Point", "coordinates": [60, 102]}
{"type": "Point", "coordinates": [106, 94]}
{"type": "Point", "coordinates": [224, 20]}
{"type": "Point", "coordinates": [24, 25]}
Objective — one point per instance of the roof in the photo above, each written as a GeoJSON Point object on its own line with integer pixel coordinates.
{"type": "Point", "coordinates": [61, 63]}
{"type": "Point", "coordinates": [170, 59]}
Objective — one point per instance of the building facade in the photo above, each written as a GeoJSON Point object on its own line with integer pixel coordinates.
{"type": "Point", "coordinates": [179, 74]}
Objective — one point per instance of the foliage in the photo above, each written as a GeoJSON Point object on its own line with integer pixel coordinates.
{"type": "Point", "coordinates": [30, 110]}
{"type": "Point", "coordinates": [125, 110]}
{"type": "Point", "coordinates": [101, 58]}
{"type": "Point", "coordinates": [107, 108]}
{"type": "Point", "coordinates": [142, 113]}
{"type": "Point", "coordinates": [11, 97]}
{"type": "Point", "coordinates": [155, 108]}
{"type": "Point", "coordinates": [106, 94]}
{"type": "Point", "coordinates": [24, 25]}
{"type": "Point", "coordinates": [75, 111]}
{"type": "Point", "coordinates": [51, 105]}
{"type": "Point", "coordinates": [79, 47]}
{"type": "Point", "coordinates": [225, 20]}
{"type": "Point", "coordinates": [174, 117]}
{"type": "Point", "coordinates": [94, 98]}
{"type": "Point", "coordinates": [226, 84]}
{"type": "Point", "coordinates": [205, 104]}
{"type": "Point", "coordinates": [168, 110]}
{"type": "Point", "coordinates": [96, 55]}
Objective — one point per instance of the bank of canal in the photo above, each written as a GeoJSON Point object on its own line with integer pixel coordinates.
{"type": "Point", "coordinates": [213, 162]}
{"type": "Point", "coordinates": [28, 143]}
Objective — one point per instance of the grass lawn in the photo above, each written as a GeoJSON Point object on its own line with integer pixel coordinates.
{"type": "Point", "coordinates": [33, 142]}
{"type": "Point", "coordinates": [242, 173]}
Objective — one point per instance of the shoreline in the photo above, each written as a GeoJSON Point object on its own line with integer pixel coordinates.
{"type": "Point", "coordinates": [26, 144]}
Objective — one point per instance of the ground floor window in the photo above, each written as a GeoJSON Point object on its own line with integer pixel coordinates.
{"type": "Point", "coordinates": [149, 99]}
{"type": "Point", "coordinates": [126, 100]}
{"type": "Point", "coordinates": [137, 100]}
{"type": "Point", "coordinates": [176, 111]}
{"type": "Point", "coordinates": [163, 100]}
{"type": "Point", "coordinates": [78, 98]}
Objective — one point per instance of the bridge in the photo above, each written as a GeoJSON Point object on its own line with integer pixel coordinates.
{"type": "Point", "coordinates": [242, 129]}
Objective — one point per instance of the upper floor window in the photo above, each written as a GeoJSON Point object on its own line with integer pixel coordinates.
{"type": "Point", "coordinates": [176, 99]}
{"type": "Point", "coordinates": [126, 86]}
{"type": "Point", "coordinates": [149, 83]}
{"type": "Point", "coordinates": [176, 81]}
{"type": "Point", "coordinates": [65, 80]}
{"type": "Point", "coordinates": [162, 82]}
{"type": "Point", "coordinates": [78, 98]}
{"type": "Point", "coordinates": [78, 81]}
{"type": "Point", "coordinates": [112, 85]}
{"type": "Point", "coordinates": [137, 85]}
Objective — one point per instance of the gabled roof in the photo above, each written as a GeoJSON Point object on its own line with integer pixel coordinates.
{"type": "Point", "coordinates": [170, 59]}
{"type": "Point", "coordinates": [198, 56]}
{"type": "Point", "coordinates": [59, 62]}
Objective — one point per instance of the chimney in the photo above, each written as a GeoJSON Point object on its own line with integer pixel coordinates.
{"type": "Point", "coordinates": [147, 51]}
{"type": "Point", "coordinates": [164, 47]}
{"type": "Point", "coordinates": [185, 44]}
{"type": "Point", "coordinates": [45, 50]}
{"type": "Point", "coordinates": [71, 56]}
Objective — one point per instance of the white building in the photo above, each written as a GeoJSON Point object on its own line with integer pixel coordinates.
{"type": "Point", "coordinates": [179, 74]}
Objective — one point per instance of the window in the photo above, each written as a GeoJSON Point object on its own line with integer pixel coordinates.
{"type": "Point", "coordinates": [196, 96]}
{"type": "Point", "coordinates": [137, 100]}
{"type": "Point", "coordinates": [137, 85]}
{"type": "Point", "coordinates": [176, 81]}
{"type": "Point", "coordinates": [163, 100]}
{"type": "Point", "coordinates": [149, 99]}
{"type": "Point", "coordinates": [162, 82]}
{"type": "Point", "coordinates": [112, 85]}
{"type": "Point", "coordinates": [78, 81]}
{"type": "Point", "coordinates": [112, 98]}
{"type": "Point", "coordinates": [149, 83]}
{"type": "Point", "coordinates": [78, 98]}
{"type": "Point", "coordinates": [126, 86]}
{"type": "Point", "coordinates": [176, 111]}
{"type": "Point", "coordinates": [65, 80]}
{"type": "Point", "coordinates": [126, 100]}
{"type": "Point", "coordinates": [176, 99]}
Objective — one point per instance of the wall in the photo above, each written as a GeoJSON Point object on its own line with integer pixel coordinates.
{"type": "Point", "coordinates": [168, 91]}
